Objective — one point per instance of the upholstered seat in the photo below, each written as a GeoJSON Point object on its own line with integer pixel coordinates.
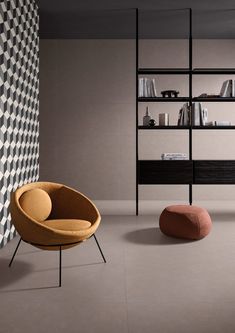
{"type": "Point", "coordinates": [53, 216]}
{"type": "Point", "coordinates": [67, 225]}
{"type": "Point", "coordinates": [184, 221]}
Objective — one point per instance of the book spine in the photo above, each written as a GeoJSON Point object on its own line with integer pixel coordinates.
{"type": "Point", "coordinates": [154, 88]}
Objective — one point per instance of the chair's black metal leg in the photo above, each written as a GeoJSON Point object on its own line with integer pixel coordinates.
{"type": "Point", "coordinates": [99, 248]}
{"type": "Point", "coordinates": [15, 252]}
{"type": "Point", "coordinates": [60, 267]}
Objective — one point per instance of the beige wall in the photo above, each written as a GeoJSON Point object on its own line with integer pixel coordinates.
{"type": "Point", "coordinates": [87, 114]}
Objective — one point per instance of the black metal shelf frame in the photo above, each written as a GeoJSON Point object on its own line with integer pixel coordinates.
{"type": "Point", "coordinates": [176, 127]}
{"type": "Point", "coordinates": [163, 99]}
{"type": "Point", "coordinates": [185, 99]}
{"type": "Point", "coordinates": [185, 71]}
{"type": "Point", "coordinates": [164, 71]}
{"type": "Point", "coordinates": [196, 172]}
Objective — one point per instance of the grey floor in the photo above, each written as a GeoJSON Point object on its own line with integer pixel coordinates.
{"type": "Point", "coordinates": [150, 283]}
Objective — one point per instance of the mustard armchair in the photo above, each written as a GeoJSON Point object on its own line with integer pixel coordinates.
{"type": "Point", "coordinates": [53, 217]}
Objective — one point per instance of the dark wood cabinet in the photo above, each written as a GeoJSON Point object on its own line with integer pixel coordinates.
{"type": "Point", "coordinates": [214, 172]}
{"type": "Point", "coordinates": [165, 172]}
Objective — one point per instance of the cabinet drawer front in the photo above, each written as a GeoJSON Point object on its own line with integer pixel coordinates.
{"type": "Point", "coordinates": [165, 172]}
{"type": "Point", "coordinates": [214, 172]}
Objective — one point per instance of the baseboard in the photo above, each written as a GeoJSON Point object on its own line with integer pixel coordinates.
{"type": "Point", "coordinates": [155, 207]}
{"type": "Point", "coordinates": [128, 207]}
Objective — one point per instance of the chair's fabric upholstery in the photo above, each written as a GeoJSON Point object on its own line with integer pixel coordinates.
{"type": "Point", "coordinates": [36, 203]}
{"type": "Point", "coordinates": [67, 204]}
{"type": "Point", "coordinates": [68, 225]}
{"type": "Point", "coordinates": [184, 221]}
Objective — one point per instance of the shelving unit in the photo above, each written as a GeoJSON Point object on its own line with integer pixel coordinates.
{"type": "Point", "coordinates": [152, 172]}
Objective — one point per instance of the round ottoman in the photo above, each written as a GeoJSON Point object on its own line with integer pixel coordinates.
{"type": "Point", "coordinates": [183, 221]}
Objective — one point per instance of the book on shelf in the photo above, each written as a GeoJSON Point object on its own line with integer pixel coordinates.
{"type": "Point", "coordinates": [184, 115]}
{"type": "Point", "coordinates": [228, 89]}
{"type": "Point", "coordinates": [196, 113]}
{"type": "Point", "coordinates": [203, 116]}
{"type": "Point", "coordinates": [223, 123]}
{"type": "Point", "coordinates": [147, 87]}
{"type": "Point", "coordinates": [219, 123]}
{"type": "Point", "coordinates": [173, 156]}
{"type": "Point", "coordinates": [199, 114]}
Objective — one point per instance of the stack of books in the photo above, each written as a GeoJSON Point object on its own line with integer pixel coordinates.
{"type": "Point", "coordinates": [228, 89]}
{"type": "Point", "coordinates": [219, 123]}
{"type": "Point", "coordinates": [147, 87]}
{"type": "Point", "coordinates": [174, 156]}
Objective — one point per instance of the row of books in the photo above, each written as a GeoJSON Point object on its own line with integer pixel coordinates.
{"type": "Point", "coordinates": [174, 156]}
{"type": "Point", "coordinates": [147, 87]}
{"type": "Point", "coordinates": [198, 117]}
{"type": "Point", "coordinates": [219, 123]}
{"type": "Point", "coordinates": [228, 89]}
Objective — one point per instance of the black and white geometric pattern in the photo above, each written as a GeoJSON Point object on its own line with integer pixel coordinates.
{"type": "Point", "coordinates": [19, 103]}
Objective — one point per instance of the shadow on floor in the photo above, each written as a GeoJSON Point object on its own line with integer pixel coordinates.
{"type": "Point", "coordinates": [18, 271]}
{"type": "Point", "coordinates": [10, 275]}
{"type": "Point", "coordinates": [68, 267]}
{"type": "Point", "coordinates": [152, 236]}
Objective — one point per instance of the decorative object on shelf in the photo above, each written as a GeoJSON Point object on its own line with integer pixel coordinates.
{"type": "Point", "coordinates": [204, 95]}
{"type": "Point", "coordinates": [184, 115]}
{"type": "Point", "coordinates": [147, 87]}
{"type": "Point", "coordinates": [163, 119]}
{"type": "Point", "coordinates": [228, 89]}
{"type": "Point", "coordinates": [147, 117]}
{"type": "Point", "coordinates": [152, 122]}
{"type": "Point", "coordinates": [174, 156]}
{"type": "Point", "coordinates": [170, 93]}
{"type": "Point", "coordinates": [210, 123]}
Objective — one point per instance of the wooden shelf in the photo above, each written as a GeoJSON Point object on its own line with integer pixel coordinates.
{"type": "Point", "coordinates": [213, 71]}
{"type": "Point", "coordinates": [186, 71]}
{"type": "Point", "coordinates": [213, 99]}
{"type": "Point", "coordinates": [232, 127]}
{"type": "Point", "coordinates": [176, 127]}
{"type": "Point", "coordinates": [170, 127]}
{"type": "Point", "coordinates": [166, 71]}
{"type": "Point", "coordinates": [185, 99]}
{"type": "Point", "coordinates": [163, 99]}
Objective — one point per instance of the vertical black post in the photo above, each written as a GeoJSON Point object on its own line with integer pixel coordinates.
{"type": "Point", "coordinates": [137, 107]}
{"type": "Point", "coordinates": [190, 94]}
{"type": "Point", "coordinates": [60, 267]}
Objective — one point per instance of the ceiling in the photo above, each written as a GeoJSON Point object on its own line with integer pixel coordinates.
{"type": "Point", "coordinates": [116, 18]}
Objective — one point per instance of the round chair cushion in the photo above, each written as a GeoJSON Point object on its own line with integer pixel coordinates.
{"type": "Point", "coordinates": [36, 203]}
{"type": "Point", "coordinates": [183, 221]}
{"type": "Point", "coordinates": [68, 225]}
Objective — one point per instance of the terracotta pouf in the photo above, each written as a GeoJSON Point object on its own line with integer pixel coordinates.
{"type": "Point", "coordinates": [183, 221]}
